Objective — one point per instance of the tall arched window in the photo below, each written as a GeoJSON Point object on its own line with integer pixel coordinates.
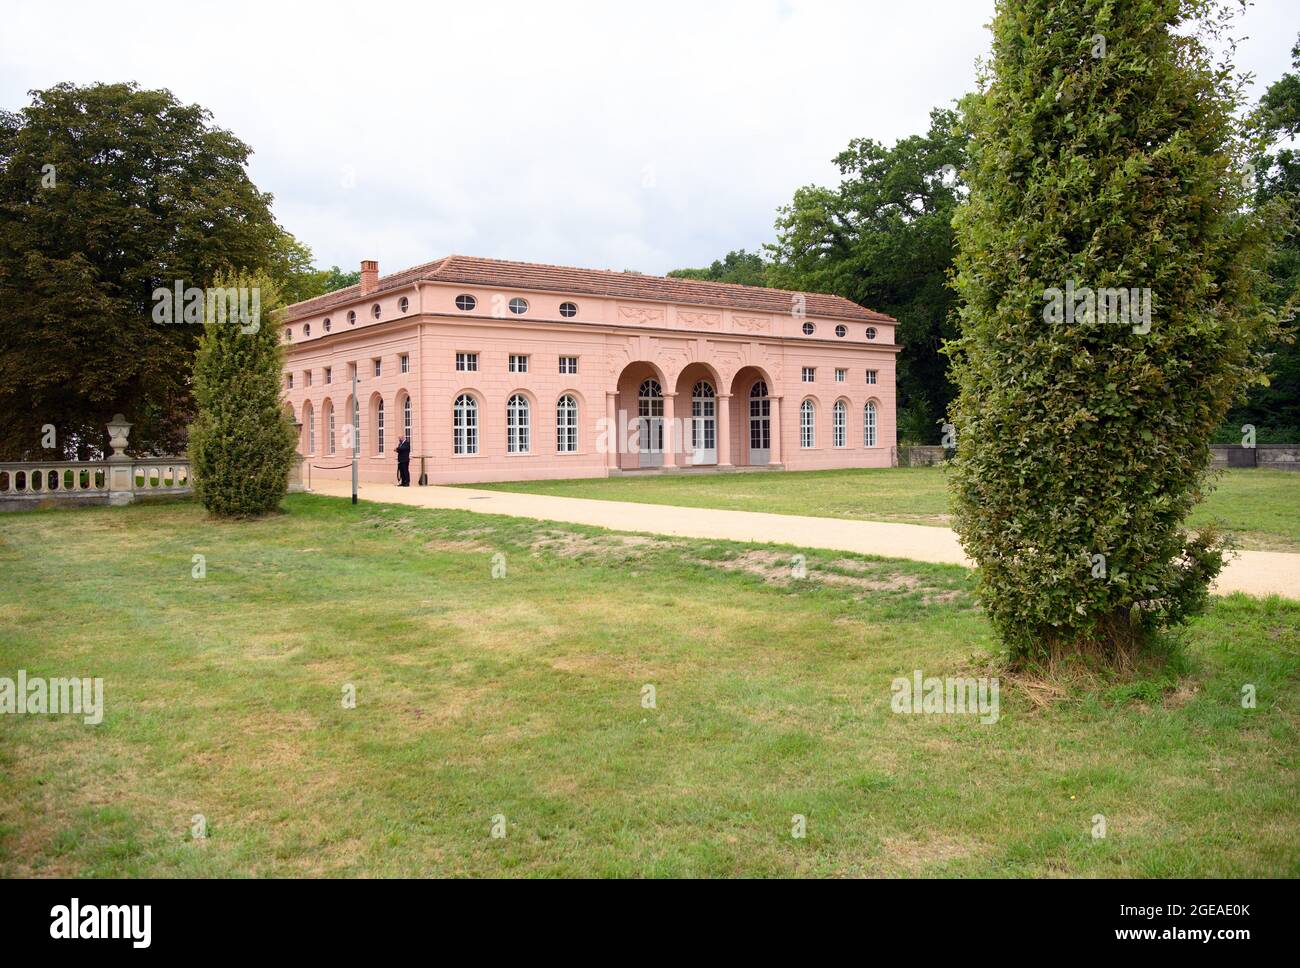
{"type": "Point", "coordinates": [869, 424]}
{"type": "Point", "coordinates": [406, 416]}
{"type": "Point", "coordinates": [356, 424]}
{"type": "Point", "coordinates": [839, 422]}
{"type": "Point", "coordinates": [650, 409]}
{"type": "Point", "coordinates": [704, 423]}
{"type": "Point", "coordinates": [807, 424]}
{"type": "Point", "coordinates": [566, 425]}
{"type": "Point", "coordinates": [309, 426]}
{"type": "Point", "coordinates": [329, 427]}
{"type": "Point", "coordinates": [760, 423]}
{"type": "Point", "coordinates": [379, 426]}
{"type": "Point", "coordinates": [464, 425]}
{"type": "Point", "coordinates": [518, 425]}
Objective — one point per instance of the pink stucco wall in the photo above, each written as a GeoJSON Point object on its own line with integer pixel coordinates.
{"type": "Point", "coordinates": [618, 342]}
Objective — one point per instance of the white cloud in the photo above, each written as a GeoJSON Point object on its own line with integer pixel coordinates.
{"type": "Point", "coordinates": [527, 130]}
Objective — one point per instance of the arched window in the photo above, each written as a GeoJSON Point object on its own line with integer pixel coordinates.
{"type": "Point", "coordinates": [760, 419]}
{"type": "Point", "coordinates": [704, 423]}
{"type": "Point", "coordinates": [807, 424]}
{"type": "Point", "coordinates": [464, 425]}
{"type": "Point", "coordinates": [566, 425]}
{"type": "Point", "coordinates": [650, 410]}
{"type": "Point", "coordinates": [306, 329]}
{"type": "Point", "coordinates": [309, 418]}
{"type": "Point", "coordinates": [869, 424]}
{"type": "Point", "coordinates": [518, 425]}
{"type": "Point", "coordinates": [839, 423]}
{"type": "Point", "coordinates": [406, 416]}
{"type": "Point", "coordinates": [356, 424]}
{"type": "Point", "coordinates": [379, 426]}
{"type": "Point", "coordinates": [329, 428]}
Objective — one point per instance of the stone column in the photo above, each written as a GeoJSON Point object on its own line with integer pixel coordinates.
{"type": "Point", "coordinates": [776, 430]}
{"type": "Point", "coordinates": [121, 472]}
{"type": "Point", "coordinates": [611, 431]}
{"type": "Point", "coordinates": [724, 430]}
{"type": "Point", "coordinates": [670, 435]}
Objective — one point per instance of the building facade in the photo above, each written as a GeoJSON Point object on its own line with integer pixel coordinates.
{"type": "Point", "coordinates": [503, 371]}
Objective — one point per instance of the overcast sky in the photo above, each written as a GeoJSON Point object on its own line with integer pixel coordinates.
{"type": "Point", "coordinates": [623, 135]}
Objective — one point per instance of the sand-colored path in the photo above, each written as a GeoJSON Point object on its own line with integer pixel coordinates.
{"type": "Point", "coordinates": [1254, 572]}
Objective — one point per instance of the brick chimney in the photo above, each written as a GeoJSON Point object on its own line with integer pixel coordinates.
{"type": "Point", "coordinates": [369, 275]}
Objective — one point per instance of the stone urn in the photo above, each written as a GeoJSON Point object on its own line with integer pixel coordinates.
{"type": "Point", "coordinates": [118, 430]}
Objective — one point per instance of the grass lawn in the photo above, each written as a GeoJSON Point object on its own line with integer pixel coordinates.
{"type": "Point", "coordinates": [1260, 507]}
{"type": "Point", "coordinates": [521, 696]}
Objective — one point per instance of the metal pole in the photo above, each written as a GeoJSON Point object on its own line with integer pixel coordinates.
{"type": "Point", "coordinates": [356, 431]}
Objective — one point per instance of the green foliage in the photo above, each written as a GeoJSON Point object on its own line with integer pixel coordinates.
{"type": "Point", "coordinates": [1079, 439]}
{"type": "Point", "coordinates": [1273, 407]}
{"type": "Point", "coordinates": [740, 267]}
{"type": "Point", "coordinates": [242, 442]}
{"type": "Point", "coordinates": [884, 239]}
{"type": "Point", "coordinates": [108, 192]}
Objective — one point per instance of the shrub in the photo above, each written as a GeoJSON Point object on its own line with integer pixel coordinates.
{"type": "Point", "coordinates": [242, 443]}
{"type": "Point", "coordinates": [1103, 154]}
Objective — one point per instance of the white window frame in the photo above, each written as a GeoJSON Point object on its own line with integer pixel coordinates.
{"type": "Point", "coordinates": [869, 413]}
{"type": "Point", "coordinates": [809, 374]}
{"type": "Point", "coordinates": [569, 365]}
{"type": "Point", "coordinates": [841, 375]}
{"type": "Point", "coordinates": [464, 426]}
{"type": "Point", "coordinates": [404, 362]}
{"type": "Point", "coordinates": [518, 363]}
{"type": "Point", "coordinates": [466, 362]}
{"type": "Point", "coordinates": [807, 425]}
{"type": "Point", "coordinates": [566, 424]}
{"type": "Point", "coordinates": [519, 425]}
{"type": "Point", "coordinates": [872, 375]}
{"type": "Point", "coordinates": [839, 424]}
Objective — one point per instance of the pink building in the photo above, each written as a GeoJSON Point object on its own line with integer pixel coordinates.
{"type": "Point", "coordinates": [512, 371]}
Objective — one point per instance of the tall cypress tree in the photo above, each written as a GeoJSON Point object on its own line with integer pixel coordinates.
{"type": "Point", "coordinates": [1104, 155]}
{"type": "Point", "coordinates": [242, 443]}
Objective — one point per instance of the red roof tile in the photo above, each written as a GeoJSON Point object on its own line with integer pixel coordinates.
{"type": "Point", "coordinates": [500, 274]}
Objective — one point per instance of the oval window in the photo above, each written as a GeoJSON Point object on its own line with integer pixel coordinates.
{"type": "Point", "coordinates": [568, 310]}
{"type": "Point", "coordinates": [871, 332]}
{"type": "Point", "coordinates": [465, 302]}
{"type": "Point", "coordinates": [403, 304]}
{"type": "Point", "coordinates": [327, 324]}
{"type": "Point", "coordinates": [352, 318]}
{"type": "Point", "coordinates": [518, 306]}
{"type": "Point", "coordinates": [306, 329]}
{"type": "Point", "coordinates": [374, 310]}
{"type": "Point", "coordinates": [809, 329]}
{"type": "Point", "coordinates": [841, 331]}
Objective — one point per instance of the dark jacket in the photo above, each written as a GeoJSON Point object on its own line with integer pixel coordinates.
{"type": "Point", "coordinates": [404, 452]}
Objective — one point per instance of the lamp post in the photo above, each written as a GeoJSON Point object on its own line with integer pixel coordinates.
{"type": "Point", "coordinates": [356, 431]}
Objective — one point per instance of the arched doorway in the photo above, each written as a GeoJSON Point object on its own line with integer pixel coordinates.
{"type": "Point", "coordinates": [643, 404]}
{"type": "Point", "coordinates": [757, 426]}
{"type": "Point", "coordinates": [702, 421]}
{"type": "Point", "coordinates": [650, 414]}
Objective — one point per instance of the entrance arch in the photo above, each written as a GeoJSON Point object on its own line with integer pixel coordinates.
{"type": "Point", "coordinates": [645, 409]}
{"type": "Point", "coordinates": [756, 435]}
{"type": "Point", "coordinates": [702, 421]}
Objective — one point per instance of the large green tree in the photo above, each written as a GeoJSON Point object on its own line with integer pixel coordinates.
{"type": "Point", "coordinates": [1104, 154]}
{"type": "Point", "coordinates": [108, 192]}
{"type": "Point", "coordinates": [883, 238]}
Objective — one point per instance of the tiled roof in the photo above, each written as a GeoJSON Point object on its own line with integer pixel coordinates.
{"type": "Point", "coordinates": [499, 274]}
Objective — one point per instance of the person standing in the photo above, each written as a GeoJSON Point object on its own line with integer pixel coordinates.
{"type": "Point", "coordinates": [403, 462]}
